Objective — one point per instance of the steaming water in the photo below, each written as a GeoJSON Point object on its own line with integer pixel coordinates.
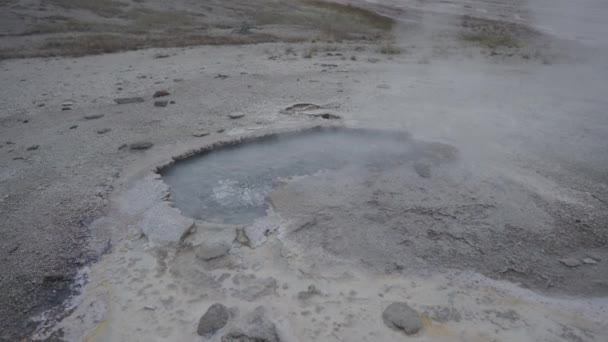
{"type": "Point", "coordinates": [230, 184]}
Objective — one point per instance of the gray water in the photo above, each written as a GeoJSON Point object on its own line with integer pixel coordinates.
{"type": "Point", "coordinates": [230, 184]}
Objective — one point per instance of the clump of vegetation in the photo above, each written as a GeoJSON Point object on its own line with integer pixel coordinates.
{"type": "Point", "coordinates": [104, 8]}
{"type": "Point", "coordinates": [389, 49]}
{"type": "Point", "coordinates": [290, 50]}
{"type": "Point", "coordinates": [310, 52]}
{"type": "Point", "coordinates": [491, 40]}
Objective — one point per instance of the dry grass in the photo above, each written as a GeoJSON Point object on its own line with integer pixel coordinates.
{"type": "Point", "coordinates": [390, 49]}
{"type": "Point", "coordinates": [103, 8]}
{"type": "Point", "coordinates": [490, 40]}
{"type": "Point", "coordinates": [91, 44]}
{"type": "Point", "coordinates": [335, 21]}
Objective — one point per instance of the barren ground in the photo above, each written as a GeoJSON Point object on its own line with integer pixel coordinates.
{"type": "Point", "coordinates": [481, 247]}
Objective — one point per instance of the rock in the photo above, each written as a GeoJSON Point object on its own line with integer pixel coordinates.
{"type": "Point", "coordinates": [73, 126]}
{"type": "Point", "coordinates": [103, 130]}
{"type": "Point", "coordinates": [93, 116]}
{"type": "Point", "coordinates": [400, 316]}
{"type": "Point", "coordinates": [128, 100]}
{"type": "Point", "coordinates": [161, 103]}
{"type": "Point", "coordinates": [213, 320]}
{"type": "Point", "coordinates": [570, 262]}
{"type": "Point", "coordinates": [33, 147]}
{"type": "Point", "coordinates": [326, 116]}
{"type": "Point", "coordinates": [593, 256]}
{"type": "Point", "coordinates": [221, 76]}
{"type": "Point", "coordinates": [141, 145]}
{"type": "Point", "coordinates": [201, 133]}
{"type": "Point", "coordinates": [221, 130]}
{"type": "Point", "coordinates": [161, 93]}
{"type": "Point", "coordinates": [164, 225]}
{"type": "Point", "coordinates": [211, 241]}
{"type": "Point", "coordinates": [236, 115]}
{"type": "Point", "coordinates": [256, 233]}
{"type": "Point", "coordinates": [311, 291]}
{"type": "Point", "coordinates": [256, 328]}
{"type": "Point", "coordinates": [589, 261]}
{"type": "Point", "coordinates": [423, 170]}
{"type": "Point", "coordinates": [54, 276]}
{"type": "Point", "coordinates": [250, 288]}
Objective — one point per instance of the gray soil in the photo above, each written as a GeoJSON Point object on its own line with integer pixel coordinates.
{"type": "Point", "coordinates": [512, 123]}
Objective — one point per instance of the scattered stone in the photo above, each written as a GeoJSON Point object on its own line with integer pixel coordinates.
{"type": "Point", "coordinates": [33, 147]}
{"type": "Point", "coordinates": [200, 133]}
{"type": "Point", "coordinates": [18, 158]}
{"type": "Point", "coordinates": [141, 145]}
{"type": "Point", "coordinates": [213, 320]}
{"type": "Point", "coordinates": [93, 116]}
{"type": "Point", "coordinates": [423, 170]}
{"type": "Point", "coordinates": [589, 261]}
{"type": "Point", "coordinates": [25, 121]}
{"type": "Point", "coordinates": [236, 115]}
{"type": "Point", "coordinates": [250, 288]}
{"type": "Point", "coordinates": [570, 262]}
{"type": "Point", "coordinates": [162, 103]}
{"type": "Point", "coordinates": [103, 130]}
{"type": "Point", "coordinates": [66, 108]}
{"type": "Point", "coordinates": [301, 107]}
{"type": "Point", "coordinates": [171, 102]}
{"type": "Point", "coordinates": [123, 146]}
{"type": "Point", "coordinates": [221, 76]}
{"type": "Point", "coordinates": [8, 142]}
{"type": "Point", "coordinates": [161, 93]}
{"type": "Point", "coordinates": [326, 116]}
{"type": "Point", "coordinates": [311, 291]}
{"type": "Point", "coordinates": [41, 105]}
{"type": "Point", "coordinates": [161, 55]}
{"type": "Point", "coordinates": [73, 126]}
{"type": "Point", "coordinates": [400, 316]}
{"type": "Point", "coordinates": [128, 100]}
{"type": "Point", "coordinates": [223, 277]}
{"type": "Point", "coordinates": [256, 328]}
{"type": "Point", "coordinates": [54, 277]}
{"type": "Point", "coordinates": [221, 130]}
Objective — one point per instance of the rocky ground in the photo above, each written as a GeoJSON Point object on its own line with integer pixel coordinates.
{"type": "Point", "coordinates": [524, 201]}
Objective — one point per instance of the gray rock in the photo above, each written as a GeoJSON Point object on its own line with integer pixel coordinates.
{"type": "Point", "coordinates": [33, 147]}
{"type": "Point", "coordinates": [570, 262]}
{"type": "Point", "coordinates": [213, 320]}
{"type": "Point", "coordinates": [200, 133]}
{"type": "Point", "coordinates": [141, 145]}
{"type": "Point", "coordinates": [164, 225]}
{"type": "Point", "coordinates": [103, 130]}
{"type": "Point", "coordinates": [589, 261]}
{"type": "Point", "coordinates": [400, 316]}
{"type": "Point", "coordinates": [256, 328]}
{"type": "Point", "coordinates": [128, 100]}
{"type": "Point", "coordinates": [161, 93]}
{"type": "Point", "coordinates": [250, 288]}
{"type": "Point", "coordinates": [211, 241]}
{"type": "Point", "coordinates": [73, 126]}
{"type": "Point", "coordinates": [423, 170]}
{"type": "Point", "coordinates": [311, 291]}
{"type": "Point", "coordinates": [236, 115]}
{"type": "Point", "coordinates": [93, 116]}
{"type": "Point", "coordinates": [161, 103]}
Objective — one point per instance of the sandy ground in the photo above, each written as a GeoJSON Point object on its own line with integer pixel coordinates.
{"type": "Point", "coordinates": [70, 194]}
